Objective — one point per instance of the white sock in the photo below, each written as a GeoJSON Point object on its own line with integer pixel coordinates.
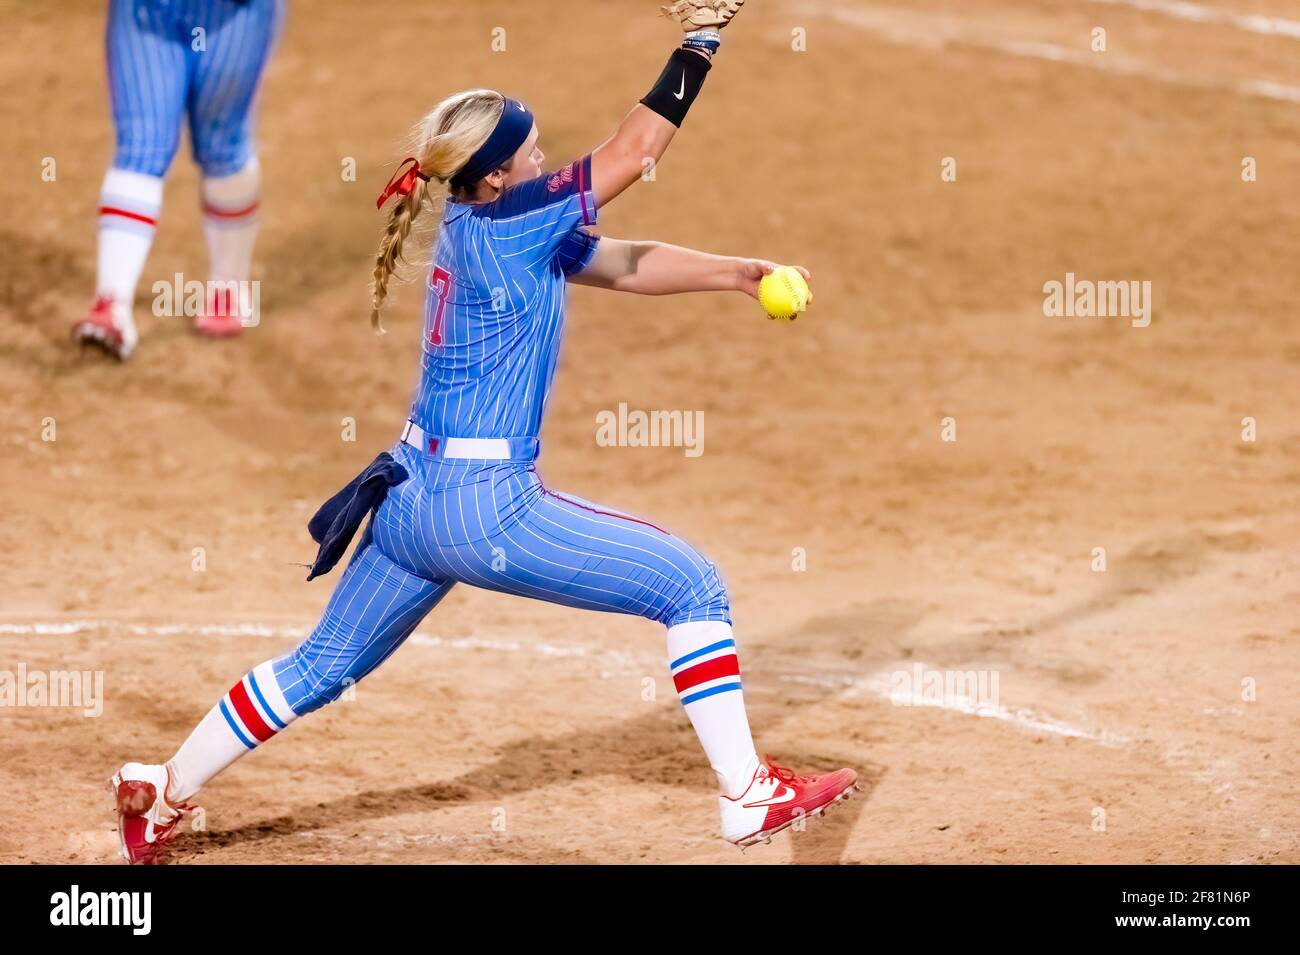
{"type": "Point", "coordinates": [129, 204]}
{"type": "Point", "coordinates": [706, 672]}
{"type": "Point", "coordinates": [230, 224]}
{"type": "Point", "coordinates": [252, 712]}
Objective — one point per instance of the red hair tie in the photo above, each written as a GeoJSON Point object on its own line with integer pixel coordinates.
{"type": "Point", "coordinates": [401, 183]}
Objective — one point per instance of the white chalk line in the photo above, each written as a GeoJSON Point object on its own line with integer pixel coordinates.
{"type": "Point", "coordinates": [420, 638]}
{"type": "Point", "coordinates": [398, 840]}
{"type": "Point", "coordinates": [1199, 13]}
{"type": "Point", "coordinates": [845, 685]}
{"type": "Point", "coordinates": [882, 686]}
{"type": "Point", "coordinates": [938, 34]}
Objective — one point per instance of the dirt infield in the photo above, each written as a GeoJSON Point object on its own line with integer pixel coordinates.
{"type": "Point", "coordinates": [1144, 712]}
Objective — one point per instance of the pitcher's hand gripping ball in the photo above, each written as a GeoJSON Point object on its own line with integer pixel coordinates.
{"type": "Point", "coordinates": [784, 293]}
{"type": "Point", "coordinates": [700, 14]}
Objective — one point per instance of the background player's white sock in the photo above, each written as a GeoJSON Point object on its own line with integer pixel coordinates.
{"type": "Point", "coordinates": [706, 672]}
{"type": "Point", "coordinates": [252, 712]}
{"type": "Point", "coordinates": [129, 204]}
{"type": "Point", "coordinates": [230, 222]}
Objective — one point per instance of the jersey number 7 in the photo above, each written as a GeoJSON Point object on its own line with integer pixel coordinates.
{"type": "Point", "coordinates": [440, 283]}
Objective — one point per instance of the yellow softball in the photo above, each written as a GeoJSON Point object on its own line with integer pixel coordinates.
{"type": "Point", "coordinates": [783, 293]}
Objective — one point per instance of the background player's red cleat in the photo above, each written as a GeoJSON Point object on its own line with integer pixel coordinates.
{"type": "Point", "coordinates": [777, 798]}
{"type": "Point", "coordinates": [222, 318]}
{"type": "Point", "coordinates": [109, 325]}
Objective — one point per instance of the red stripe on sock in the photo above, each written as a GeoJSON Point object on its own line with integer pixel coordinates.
{"type": "Point", "coordinates": [248, 714]}
{"type": "Point", "coordinates": [126, 214]}
{"type": "Point", "coordinates": [234, 214]}
{"type": "Point", "coordinates": [714, 669]}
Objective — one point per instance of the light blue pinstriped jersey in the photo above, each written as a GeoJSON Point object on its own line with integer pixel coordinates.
{"type": "Point", "coordinates": [494, 312]}
{"type": "Point", "coordinates": [493, 322]}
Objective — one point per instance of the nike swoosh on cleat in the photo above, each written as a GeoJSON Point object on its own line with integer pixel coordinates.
{"type": "Point", "coordinates": [776, 799]}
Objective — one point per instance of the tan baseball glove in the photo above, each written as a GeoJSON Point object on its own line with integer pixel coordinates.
{"type": "Point", "coordinates": [699, 14]}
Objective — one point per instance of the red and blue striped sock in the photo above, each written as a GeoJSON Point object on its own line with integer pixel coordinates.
{"type": "Point", "coordinates": [251, 712]}
{"type": "Point", "coordinates": [706, 672]}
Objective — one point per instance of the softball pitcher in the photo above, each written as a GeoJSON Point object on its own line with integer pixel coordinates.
{"type": "Point", "coordinates": [459, 499]}
{"type": "Point", "coordinates": [168, 61]}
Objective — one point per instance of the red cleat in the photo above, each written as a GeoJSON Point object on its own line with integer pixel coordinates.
{"type": "Point", "coordinates": [777, 798]}
{"type": "Point", "coordinates": [145, 822]}
{"type": "Point", "coordinates": [222, 318]}
{"type": "Point", "coordinates": [109, 325]}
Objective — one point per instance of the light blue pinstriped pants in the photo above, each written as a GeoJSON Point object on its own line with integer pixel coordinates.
{"type": "Point", "coordinates": [492, 525]}
{"type": "Point", "coordinates": [156, 78]}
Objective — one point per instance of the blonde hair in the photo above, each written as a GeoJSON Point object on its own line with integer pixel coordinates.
{"type": "Point", "coordinates": [442, 142]}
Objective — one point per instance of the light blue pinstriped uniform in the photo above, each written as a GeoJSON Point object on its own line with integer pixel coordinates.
{"type": "Point", "coordinates": [493, 323]}
{"type": "Point", "coordinates": [157, 79]}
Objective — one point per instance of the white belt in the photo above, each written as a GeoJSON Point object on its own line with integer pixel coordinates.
{"type": "Point", "coordinates": [490, 449]}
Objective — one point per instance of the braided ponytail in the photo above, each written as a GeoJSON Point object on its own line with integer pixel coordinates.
{"type": "Point", "coordinates": [442, 143]}
{"type": "Point", "coordinates": [400, 221]}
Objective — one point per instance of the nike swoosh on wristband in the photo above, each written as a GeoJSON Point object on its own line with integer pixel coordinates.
{"type": "Point", "coordinates": [681, 90]}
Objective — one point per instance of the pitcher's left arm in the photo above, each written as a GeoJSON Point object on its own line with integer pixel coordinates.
{"type": "Point", "coordinates": [657, 268]}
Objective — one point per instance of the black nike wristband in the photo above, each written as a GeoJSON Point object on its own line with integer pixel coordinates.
{"type": "Point", "coordinates": [678, 85]}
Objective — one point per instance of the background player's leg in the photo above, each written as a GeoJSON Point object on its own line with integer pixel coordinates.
{"type": "Point", "coordinates": [374, 609]}
{"type": "Point", "coordinates": [147, 80]}
{"type": "Point", "coordinates": [230, 205]}
{"type": "Point", "coordinates": [222, 95]}
{"type": "Point", "coordinates": [569, 551]}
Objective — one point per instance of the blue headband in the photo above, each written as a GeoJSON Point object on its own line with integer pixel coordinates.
{"type": "Point", "coordinates": [512, 129]}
